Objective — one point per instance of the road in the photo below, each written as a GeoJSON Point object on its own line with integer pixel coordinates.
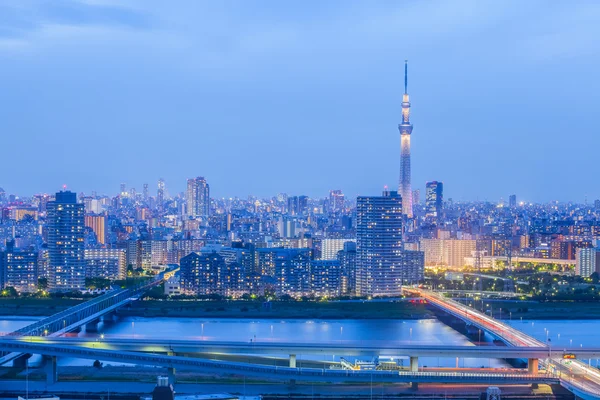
{"type": "Point", "coordinates": [576, 375]}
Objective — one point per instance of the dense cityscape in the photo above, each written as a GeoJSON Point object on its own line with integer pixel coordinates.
{"type": "Point", "coordinates": [138, 279]}
{"type": "Point", "coordinates": [287, 245]}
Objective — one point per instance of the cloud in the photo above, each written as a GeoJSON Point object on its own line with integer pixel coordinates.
{"type": "Point", "coordinates": [20, 21]}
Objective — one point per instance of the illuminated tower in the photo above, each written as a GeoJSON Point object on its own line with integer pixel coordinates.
{"type": "Point", "coordinates": [405, 129]}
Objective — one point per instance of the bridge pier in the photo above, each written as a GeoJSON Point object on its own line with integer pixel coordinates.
{"type": "Point", "coordinates": [92, 326]}
{"type": "Point", "coordinates": [414, 364]}
{"type": "Point", "coordinates": [51, 369]}
{"type": "Point", "coordinates": [533, 366]}
{"type": "Point", "coordinates": [414, 385]}
{"type": "Point", "coordinates": [171, 370]}
{"type": "Point", "coordinates": [292, 361]}
{"type": "Point", "coordinates": [21, 362]}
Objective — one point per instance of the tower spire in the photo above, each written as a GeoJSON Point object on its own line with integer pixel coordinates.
{"type": "Point", "coordinates": [405, 76]}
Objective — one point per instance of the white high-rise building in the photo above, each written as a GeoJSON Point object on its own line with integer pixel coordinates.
{"type": "Point", "coordinates": [198, 197]}
{"type": "Point", "coordinates": [331, 247]}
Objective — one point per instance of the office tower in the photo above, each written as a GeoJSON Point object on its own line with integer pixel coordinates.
{"type": "Point", "coordinates": [434, 199]}
{"type": "Point", "coordinates": [97, 223]}
{"type": "Point", "coordinates": [145, 192]}
{"type": "Point", "coordinates": [405, 129]}
{"type": "Point", "coordinates": [336, 201]}
{"type": "Point", "coordinates": [160, 195]}
{"type": "Point", "coordinates": [597, 205]}
{"type": "Point", "coordinates": [66, 226]}
{"type": "Point", "coordinates": [379, 245]}
{"type": "Point", "coordinates": [512, 200]}
{"type": "Point", "coordinates": [123, 191]}
{"type": "Point", "coordinates": [132, 194]}
{"type": "Point", "coordinates": [198, 198]}
{"type": "Point", "coordinates": [18, 268]}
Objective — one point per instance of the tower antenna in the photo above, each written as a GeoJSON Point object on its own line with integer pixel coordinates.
{"type": "Point", "coordinates": [405, 76]}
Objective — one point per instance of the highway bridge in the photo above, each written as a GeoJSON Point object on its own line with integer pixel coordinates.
{"type": "Point", "coordinates": [576, 376]}
{"type": "Point", "coordinates": [267, 371]}
{"type": "Point", "coordinates": [339, 348]}
{"type": "Point", "coordinates": [88, 312]}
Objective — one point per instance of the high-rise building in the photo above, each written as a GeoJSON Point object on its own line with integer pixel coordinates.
{"type": "Point", "coordinates": [587, 261]}
{"type": "Point", "coordinates": [198, 198]}
{"type": "Point", "coordinates": [145, 192]}
{"type": "Point", "coordinates": [512, 200]}
{"type": "Point", "coordinates": [66, 227]}
{"type": "Point", "coordinates": [347, 259]}
{"type": "Point", "coordinates": [331, 246]}
{"type": "Point", "coordinates": [336, 201]}
{"type": "Point", "coordinates": [297, 205]}
{"type": "Point", "coordinates": [18, 268]}
{"type": "Point", "coordinates": [379, 245]}
{"type": "Point", "coordinates": [405, 128]}
{"type": "Point", "coordinates": [434, 199]}
{"type": "Point", "coordinates": [160, 194]}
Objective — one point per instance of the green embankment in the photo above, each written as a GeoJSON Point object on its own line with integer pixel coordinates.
{"type": "Point", "coordinates": [278, 309]}
{"type": "Point", "coordinates": [303, 309]}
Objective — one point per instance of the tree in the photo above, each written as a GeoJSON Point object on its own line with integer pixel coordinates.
{"type": "Point", "coordinates": [9, 291]}
{"type": "Point", "coordinates": [42, 284]}
{"type": "Point", "coordinates": [97, 283]}
{"type": "Point", "coordinates": [595, 277]}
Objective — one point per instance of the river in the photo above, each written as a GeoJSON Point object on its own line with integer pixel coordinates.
{"type": "Point", "coordinates": [426, 331]}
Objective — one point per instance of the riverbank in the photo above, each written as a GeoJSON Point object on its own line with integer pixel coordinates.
{"type": "Point", "coordinates": [278, 309]}
{"type": "Point", "coordinates": [239, 309]}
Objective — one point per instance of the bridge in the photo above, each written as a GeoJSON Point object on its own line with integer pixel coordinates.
{"type": "Point", "coordinates": [579, 378]}
{"type": "Point", "coordinates": [268, 371]}
{"type": "Point", "coordinates": [84, 313]}
{"type": "Point", "coordinates": [339, 348]}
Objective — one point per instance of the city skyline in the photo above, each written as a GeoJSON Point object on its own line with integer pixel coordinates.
{"type": "Point", "coordinates": [314, 123]}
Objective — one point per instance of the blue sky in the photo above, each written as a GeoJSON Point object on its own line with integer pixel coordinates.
{"type": "Point", "coordinates": [262, 97]}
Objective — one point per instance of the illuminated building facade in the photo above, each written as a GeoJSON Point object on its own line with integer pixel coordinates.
{"type": "Point", "coordinates": [379, 245]}
{"type": "Point", "coordinates": [97, 223]}
{"type": "Point", "coordinates": [18, 269]}
{"type": "Point", "coordinates": [434, 199]}
{"type": "Point", "coordinates": [66, 226]}
{"type": "Point", "coordinates": [105, 263]}
{"type": "Point", "coordinates": [198, 198]}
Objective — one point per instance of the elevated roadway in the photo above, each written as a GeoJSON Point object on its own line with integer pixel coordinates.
{"type": "Point", "coordinates": [275, 372]}
{"type": "Point", "coordinates": [581, 379]}
{"type": "Point", "coordinates": [349, 348]}
{"type": "Point", "coordinates": [84, 313]}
